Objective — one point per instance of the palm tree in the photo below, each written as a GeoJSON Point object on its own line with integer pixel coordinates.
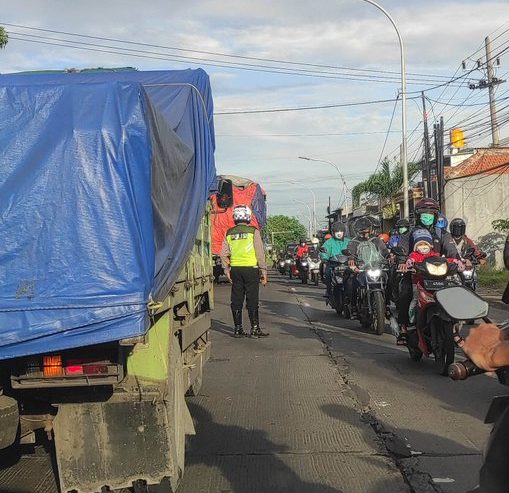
{"type": "Point", "coordinates": [4, 37]}
{"type": "Point", "coordinates": [385, 184]}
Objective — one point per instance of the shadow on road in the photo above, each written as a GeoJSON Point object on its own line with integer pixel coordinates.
{"type": "Point", "coordinates": [269, 472]}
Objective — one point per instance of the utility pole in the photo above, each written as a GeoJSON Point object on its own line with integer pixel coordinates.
{"type": "Point", "coordinates": [490, 83]}
{"type": "Point", "coordinates": [439, 161]}
{"type": "Point", "coordinates": [495, 136]}
{"type": "Point", "coordinates": [427, 150]}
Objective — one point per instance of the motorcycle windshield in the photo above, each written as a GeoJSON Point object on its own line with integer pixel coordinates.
{"type": "Point", "coordinates": [461, 303]}
{"type": "Point", "coordinates": [368, 253]}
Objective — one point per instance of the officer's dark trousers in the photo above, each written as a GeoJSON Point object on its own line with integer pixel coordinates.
{"type": "Point", "coordinates": [245, 284]}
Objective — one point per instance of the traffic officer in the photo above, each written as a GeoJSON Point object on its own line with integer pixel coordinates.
{"type": "Point", "coordinates": [243, 259]}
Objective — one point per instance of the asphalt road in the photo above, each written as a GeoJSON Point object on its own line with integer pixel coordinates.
{"type": "Point", "coordinates": [320, 406]}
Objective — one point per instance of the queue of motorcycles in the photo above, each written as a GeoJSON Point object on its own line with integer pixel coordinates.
{"type": "Point", "coordinates": [306, 269]}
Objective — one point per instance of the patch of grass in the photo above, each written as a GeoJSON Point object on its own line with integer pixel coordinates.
{"type": "Point", "coordinates": [493, 279]}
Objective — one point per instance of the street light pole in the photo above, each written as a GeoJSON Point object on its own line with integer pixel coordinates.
{"type": "Point", "coordinates": [309, 217]}
{"type": "Point", "coordinates": [313, 217]}
{"type": "Point", "coordinates": [404, 163]}
{"type": "Point", "coordinates": [332, 164]}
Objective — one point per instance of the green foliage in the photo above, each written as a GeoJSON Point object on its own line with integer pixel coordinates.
{"type": "Point", "coordinates": [4, 37]}
{"type": "Point", "coordinates": [501, 225]}
{"type": "Point", "coordinates": [493, 278]}
{"type": "Point", "coordinates": [286, 230]}
{"type": "Point", "coordinates": [385, 183]}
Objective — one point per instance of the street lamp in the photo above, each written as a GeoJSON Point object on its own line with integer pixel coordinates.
{"type": "Point", "coordinates": [313, 216]}
{"type": "Point", "coordinates": [309, 217]}
{"type": "Point", "coordinates": [332, 164]}
{"type": "Point", "coordinates": [404, 163]}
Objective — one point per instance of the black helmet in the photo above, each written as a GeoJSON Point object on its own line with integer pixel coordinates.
{"type": "Point", "coordinates": [402, 223]}
{"type": "Point", "coordinates": [427, 205]}
{"type": "Point", "coordinates": [337, 227]}
{"type": "Point", "coordinates": [363, 224]}
{"type": "Point", "coordinates": [457, 227]}
{"type": "Point", "coordinates": [302, 241]}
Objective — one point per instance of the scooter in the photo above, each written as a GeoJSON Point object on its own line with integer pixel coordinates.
{"type": "Point", "coordinates": [303, 269]}
{"type": "Point", "coordinates": [336, 294]}
{"type": "Point", "coordinates": [314, 269]}
{"type": "Point", "coordinates": [433, 333]}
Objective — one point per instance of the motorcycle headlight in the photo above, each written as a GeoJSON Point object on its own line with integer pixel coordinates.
{"type": "Point", "coordinates": [282, 263]}
{"type": "Point", "coordinates": [288, 261]}
{"type": "Point", "coordinates": [468, 274]}
{"type": "Point", "coordinates": [437, 270]}
{"type": "Point", "coordinates": [304, 264]}
{"type": "Point", "coordinates": [374, 273]}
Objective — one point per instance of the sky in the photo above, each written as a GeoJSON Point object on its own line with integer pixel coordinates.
{"type": "Point", "coordinates": [313, 39]}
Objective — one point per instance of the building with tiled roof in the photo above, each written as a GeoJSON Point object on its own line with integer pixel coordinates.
{"type": "Point", "coordinates": [477, 190]}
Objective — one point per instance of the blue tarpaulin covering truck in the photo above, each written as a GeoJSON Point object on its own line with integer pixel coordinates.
{"type": "Point", "coordinates": [105, 269]}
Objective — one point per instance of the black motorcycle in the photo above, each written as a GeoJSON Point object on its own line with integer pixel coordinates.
{"type": "Point", "coordinates": [303, 267]}
{"type": "Point", "coordinates": [337, 266]}
{"type": "Point", "coordinates": [469, 276]}
{"type": "Point", "coordinates": [371, 306]}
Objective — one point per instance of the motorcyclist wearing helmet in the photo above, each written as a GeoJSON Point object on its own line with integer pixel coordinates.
{"type": "Point", "coordinates": [368, 248]}
{"type": "Point", "coordinates": [427, 212]}
{"type": "Point", "coordinates": [243, 258]}
{"type": "Point", "coordinates": [402, 227]}
{"type": "Point", "coordinates": [463, 242]}
{"type": "Point", "coordinates": [332, 247]}
{"type": "Point", "coordinates": [302, 249]}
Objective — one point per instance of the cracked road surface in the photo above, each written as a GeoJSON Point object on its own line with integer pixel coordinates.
{"type": "Point", "coordinates": [320, 406]}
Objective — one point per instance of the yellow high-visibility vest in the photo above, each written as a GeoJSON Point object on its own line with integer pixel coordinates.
{"type": "Point", "coordinates": [242, 248]}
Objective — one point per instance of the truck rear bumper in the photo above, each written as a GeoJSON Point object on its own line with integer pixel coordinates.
{"type": "Point", "coordinates": [9, 421]}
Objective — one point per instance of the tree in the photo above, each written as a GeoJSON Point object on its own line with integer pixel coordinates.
{"type": "Point", "coordinates": [4, 37]}
{"type": "Point", "coordinates": [385, 184]}
{"type": "Point", "coordinates": [286, 230]}
{"type": "Point", "coordinates": [501, 225]}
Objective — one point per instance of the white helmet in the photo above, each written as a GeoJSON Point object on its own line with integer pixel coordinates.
{"type": "Point", "coordinates": [242, 214]}
{"type": "Point", "coordinates": [315, 241]}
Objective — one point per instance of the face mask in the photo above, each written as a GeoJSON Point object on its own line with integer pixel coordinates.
{"type": "Point", "coordinates": [427, 219]}
{"type": "Point", "coordinates": [338, 235]}
{"type": "Point", "coordinates": [424, 249]}
{"type": "Point", "coordinates": [403, 230]}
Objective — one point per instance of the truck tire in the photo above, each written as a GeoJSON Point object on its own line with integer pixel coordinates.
{"type": "Point", "coordinates": [9, 421]}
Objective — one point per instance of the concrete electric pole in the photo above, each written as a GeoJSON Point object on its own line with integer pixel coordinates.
{"type": "Point", "coordinates": [490, 83]}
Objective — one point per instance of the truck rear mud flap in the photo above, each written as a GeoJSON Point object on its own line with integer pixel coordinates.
{"type": "Point", "coordinates": [113, 444]}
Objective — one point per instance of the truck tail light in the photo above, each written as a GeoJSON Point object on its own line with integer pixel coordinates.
{"type": "Point", "coordinates": [52, 366]}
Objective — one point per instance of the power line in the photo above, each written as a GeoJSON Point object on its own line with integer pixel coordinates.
{"type": "Point", "coordinates": [101, 48]}
{"type": "Point", "coordinates": [302, 108]}
{"type": "Point", "coordinates": [345, 134]}
{"type": "Point", "coordinates": [227, 55]}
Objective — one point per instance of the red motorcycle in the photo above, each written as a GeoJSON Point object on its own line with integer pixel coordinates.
{"type": "Point", "coordinates": [434, 330]}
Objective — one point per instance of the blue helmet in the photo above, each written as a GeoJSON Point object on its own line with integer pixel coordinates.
{"type": "Point", "coordinates": [442, 222]}
{"type": "Point", "coordinates": [394, 241]}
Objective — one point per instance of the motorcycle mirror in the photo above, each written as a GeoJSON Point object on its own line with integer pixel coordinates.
{"type": "Point", "coordinates": [469, 252]}
{"type": "Point", "coordinates": [398, 251]}
{"type": "Point", "coordinates": [461, 303]}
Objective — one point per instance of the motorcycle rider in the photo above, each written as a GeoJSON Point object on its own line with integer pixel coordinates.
{"type": "Point", "coordinates": [332, 247]}
{"type": "Point", "coordinates": [427, 212]}
{"type": "Point", "coordinates": [463, 242]}
{"type": "Point", "coordinates": [366, 247]}
{"type": "Point", "coordinates": [243, 258]}
{"type": "Point", "coordinates": [301, 251]}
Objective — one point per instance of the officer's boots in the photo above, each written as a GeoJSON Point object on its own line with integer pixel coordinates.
{"type": "Point", "coordinates": [255, 324]}
{"type": "Point", "coordinates": [238, 331]}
